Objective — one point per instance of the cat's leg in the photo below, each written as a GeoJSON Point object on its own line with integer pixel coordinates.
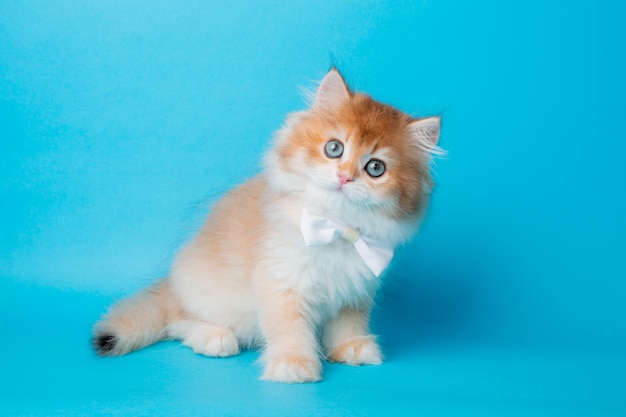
{"type": "Point", "coordinates": [204, 338]}
{"type": "Point", "coordinates": [347, 339]}
{"type": "Point", "coordinates": [292, 348]}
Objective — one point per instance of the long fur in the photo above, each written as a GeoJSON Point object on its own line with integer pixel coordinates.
{"type": "Point", "coordinates": [247, 279]}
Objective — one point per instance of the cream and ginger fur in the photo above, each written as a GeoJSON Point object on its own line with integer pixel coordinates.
{"type": "Point", "coordinates": [248, 280]}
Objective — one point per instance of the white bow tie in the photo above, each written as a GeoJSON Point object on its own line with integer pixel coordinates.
{"type": "Point", "coordinates": [321, 230]}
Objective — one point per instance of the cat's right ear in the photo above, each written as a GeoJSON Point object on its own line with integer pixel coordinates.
{"type": "Point", "coordinates": [331, 93]}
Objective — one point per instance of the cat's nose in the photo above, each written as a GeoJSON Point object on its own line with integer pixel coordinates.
{"type": "Point", "coordinates": [344, 178]}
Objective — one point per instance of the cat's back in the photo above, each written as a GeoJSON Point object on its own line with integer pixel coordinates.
{"type": "Point", "coordinates": [237, 217]}
{"type": "Point", "coordinates": [225, 248]}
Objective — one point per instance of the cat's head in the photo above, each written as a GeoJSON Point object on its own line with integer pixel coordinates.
{"type": "Point", "coordinates": [350, 151]}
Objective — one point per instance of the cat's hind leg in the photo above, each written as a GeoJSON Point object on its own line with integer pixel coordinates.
{"type": "Point", "coordinates": [204, 338]}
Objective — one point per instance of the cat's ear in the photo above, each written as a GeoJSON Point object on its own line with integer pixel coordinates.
{"type": "Point", "coordinates": [331, 93]}
{"type": "Point", "coordinates": [425, 133]}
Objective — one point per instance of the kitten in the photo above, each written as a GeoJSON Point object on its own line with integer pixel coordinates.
{"type": "Point", "coordinates": [291, 260]}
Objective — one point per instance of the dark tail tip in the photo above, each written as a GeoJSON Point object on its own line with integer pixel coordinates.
{"type": "Point", "coordinates": [104, 344]}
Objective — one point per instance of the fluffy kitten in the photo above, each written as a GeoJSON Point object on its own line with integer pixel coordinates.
{"type": "Point", "coordinates": [252, 278]}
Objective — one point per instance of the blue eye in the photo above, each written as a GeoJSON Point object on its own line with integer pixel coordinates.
{"type": "Point", "coordinates": [333, 149]}
{"type": "Point", "coordinates": [375, 168]}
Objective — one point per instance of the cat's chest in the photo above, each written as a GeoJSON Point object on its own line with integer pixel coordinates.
{"type": "Point", "coordinates": [331, 274]}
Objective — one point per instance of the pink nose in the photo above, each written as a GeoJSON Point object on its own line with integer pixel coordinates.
{"type": "Point", "coordinates": [344, 178]}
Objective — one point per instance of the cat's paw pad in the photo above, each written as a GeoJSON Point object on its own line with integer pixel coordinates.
{"type": "Point", "coordinates": [292, 370]}
{"type": "Point", "coordinates": [215, 342]}
{"type": "Point", "coordinates": [361, 351]}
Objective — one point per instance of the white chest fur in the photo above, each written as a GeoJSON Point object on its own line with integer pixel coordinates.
{"type": "Point", "coordinates": [327, 277]}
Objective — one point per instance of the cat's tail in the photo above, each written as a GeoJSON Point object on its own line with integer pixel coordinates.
{"type": "Point", "coordinates": [137, 321]}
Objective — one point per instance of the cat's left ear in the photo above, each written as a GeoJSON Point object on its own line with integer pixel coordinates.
{"type": "Point", "coordinates": [331, 93]}
{"type": "Point", "coordinates": [425, 133]}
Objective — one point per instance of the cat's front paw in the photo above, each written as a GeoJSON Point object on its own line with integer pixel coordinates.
{"type": "Point", "coordinates": [361, 351]}
{"type": "Point", "coordinates": [292, 370]}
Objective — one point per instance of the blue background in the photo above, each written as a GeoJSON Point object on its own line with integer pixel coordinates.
{"type": "Point", "coordinates": [121, 121]}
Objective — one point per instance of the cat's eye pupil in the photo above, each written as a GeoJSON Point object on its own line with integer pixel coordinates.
{"type": "Point", "coordinates": [375, 168]}
{"type": "Point", "coordinates": [333, 149]}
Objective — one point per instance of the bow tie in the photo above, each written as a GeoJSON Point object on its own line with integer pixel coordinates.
{"type": "Point", "coordinates": [321, 230]}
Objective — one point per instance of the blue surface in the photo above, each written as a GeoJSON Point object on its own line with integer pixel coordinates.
{"type": "Point", "coordinates": [120, 122]}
